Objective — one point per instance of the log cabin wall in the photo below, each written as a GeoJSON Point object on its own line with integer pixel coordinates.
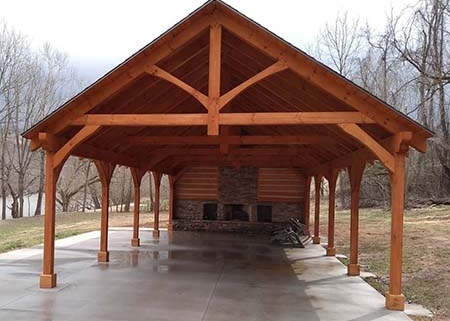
{"type": "Point", "coordinates": [244, 199]}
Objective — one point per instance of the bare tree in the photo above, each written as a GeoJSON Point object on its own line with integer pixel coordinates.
{"type": "Point", "coordinates": [339, 46]}
{"type": "Point", "coordinates": [69, 183]}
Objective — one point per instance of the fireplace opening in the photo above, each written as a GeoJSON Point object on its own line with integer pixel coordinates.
{"type": "Point", "coordinates": [264, 213]}
{"type": "Point", "coordinates": [210, 211]}
{"type": "Point", "coordinates": [235, 212]}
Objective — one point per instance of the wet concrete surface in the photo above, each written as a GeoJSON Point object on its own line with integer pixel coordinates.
{"type": "Point", "coordinates": [186, 276]}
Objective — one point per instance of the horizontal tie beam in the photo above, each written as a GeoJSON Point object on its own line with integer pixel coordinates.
{"type": "Point", "coordinates": [248, 119]}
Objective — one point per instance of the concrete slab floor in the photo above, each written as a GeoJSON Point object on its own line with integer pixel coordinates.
{"type": "Point", "coordinates": [186, 276]}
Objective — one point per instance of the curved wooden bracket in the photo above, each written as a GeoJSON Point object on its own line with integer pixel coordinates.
{"type": "Point", "coordinates": [331, 177]}
{"type": "Point", "coordinates": [161, 73]}
{"type": "Point", "coordinates": [157, 176]}
{"type": "Point", "coordinates": [355, 173]}
{"type": "Point", "coordinates": [64, 152]}
{"type": "Point", "coordinates": [272, 69]}
{"type": "Point", "coordinates": [137, 174]}
{"type": "Point", "coordinates": [375, 147]}
{"type": "Point", "coordinates": [105, 171]}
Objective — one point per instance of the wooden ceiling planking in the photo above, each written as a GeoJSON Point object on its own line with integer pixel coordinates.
{"type": "Point", "coordinates": [182, 54]}
{"type": "Point", "coordinates": [241, 48]}
{"type": "Point", "coordinates": [270, 87]}
{"type": "Point", "coordinates": [114, 102]}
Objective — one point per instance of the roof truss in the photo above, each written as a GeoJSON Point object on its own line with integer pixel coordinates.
{"type": "Point", "coordinates": [355, 123]}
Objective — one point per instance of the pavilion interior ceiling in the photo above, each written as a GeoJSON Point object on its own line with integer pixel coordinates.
{"type": "Point", "coordinates": [282, 91]}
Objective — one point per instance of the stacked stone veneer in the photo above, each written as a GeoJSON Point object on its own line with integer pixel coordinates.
{"type": "Point", "coordinates": [235, 186]}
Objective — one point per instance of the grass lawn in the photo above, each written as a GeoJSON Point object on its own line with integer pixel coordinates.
{"type": "Point", "coordinates": [29, 231]}
{"type": "Point", "coordinates": [426, 265]}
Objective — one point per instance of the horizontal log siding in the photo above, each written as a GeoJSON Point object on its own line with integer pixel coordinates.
{"type": "Point", "coordinates": [280, 185]}
{"type": "Point", "coordinates": [197, 183]}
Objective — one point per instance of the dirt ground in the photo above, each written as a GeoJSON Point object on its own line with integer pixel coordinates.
{"type": "Point", "coordinates": [426, 267]}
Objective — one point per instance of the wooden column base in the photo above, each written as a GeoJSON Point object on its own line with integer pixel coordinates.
{"type": "Point", "coordinates": [47, 281]}
{"type": "Point", "coordinates": [331, 251]}
{"type": "Point", "coordinates": [316, 240]}
{"type": "Point", "coordinates": [170, 226]}
{"type": "Point", "coordinates": [353, 270]}
{"type": "Point", "coordinates": [155, 233]}
{"type": "Point", "coordinates": [395, 302]}
{"type": "Point", "coordinates": [103, 256]}
{"type": "Point", "coordinates": [135, 242]}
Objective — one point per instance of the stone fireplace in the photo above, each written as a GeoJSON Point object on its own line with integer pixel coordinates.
{"type": "Point", "coordinates": [235, 207]}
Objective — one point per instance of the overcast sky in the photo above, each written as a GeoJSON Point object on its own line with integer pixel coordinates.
{"type": "Point", "coordinates": [99, 34]}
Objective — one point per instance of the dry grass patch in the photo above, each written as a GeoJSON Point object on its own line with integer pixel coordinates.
{"type": "Point", "coordinates": [426, 277]}
{"type": "Point", "coordinates": [29, 231]}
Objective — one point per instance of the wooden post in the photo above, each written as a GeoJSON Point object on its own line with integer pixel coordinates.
{"type": "Point", "coordinates": [157, 180]}
{"type": "Point", "coordinates": [105, 171]}
{"type": "Point", "coordinates": [215, 54]}
{"type": "Point", "coordinates": [137, 175]}
{"type": "Point", "coordinates": [48, 276]}
{"type": "Point", "coordinates": [307, 204]}
{"type": "Point", "coordinates": [171, 201]}
{"type": "Point", "coordinates": [355, 172]}
{"type": "Point", "coordinates": [332, 178]}
{"type": "Point", "coordinates": [317, 182]}
{"type": "Point", "coordinates": [394, 297]}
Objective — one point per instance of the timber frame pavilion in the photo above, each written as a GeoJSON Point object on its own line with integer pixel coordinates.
{"type": "Point", "coordinates": [218, 89]}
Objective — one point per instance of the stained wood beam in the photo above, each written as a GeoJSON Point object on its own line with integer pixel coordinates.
{"type": "Point", "coordinates": [158, 157]}
{"type": "Point", "coordinates": [142, 120]}
{"type": "Point", "coordinates": [160, 73]}
{"type": "Point", "coordinates": [293, 118]}
{"type": "Point", "coordinates": [319, 76]}
{"type": "Point", "coordinates": [258, 161]}
{"type": "Point", "coordinates": [49, 142]}
{"type": "Point", "coordinates": [127, 72]}
{"type": "Point", "coordinates": [249, 119]}
{"type": "Point", "coordinates": [215, 55]}
{"type": "Point", "coordinates": [64, 152]}
{"type": "Point", "coordinates": [246, 151]}
{"type": "Point", "coordinates": [35, 144]}
{"type": "Point", "coordinates": [231, 140]}
{"type": "Point", "coordinates": [358, 133]}
{"type": "Point", "coordinates": [273, 69]}
{"type": "Point", "coordinates": [96, 153]}
{"type": "Point", "coordinates": [363, 154]}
